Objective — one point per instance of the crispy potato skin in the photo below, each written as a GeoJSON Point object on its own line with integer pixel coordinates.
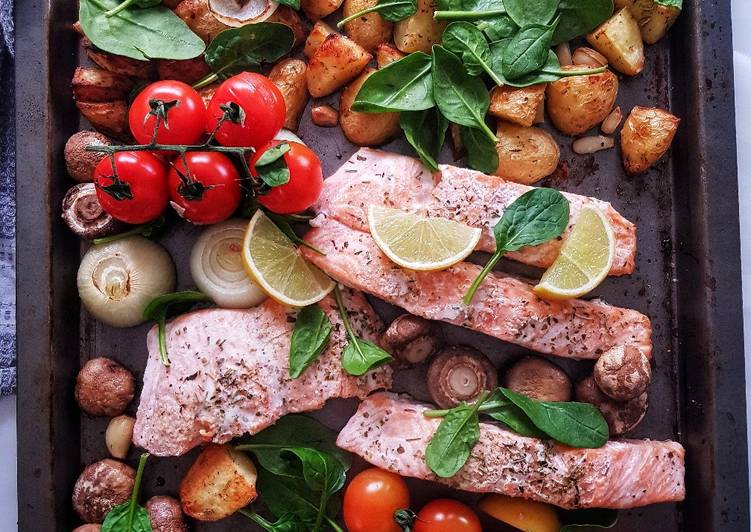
{"type": "Point", "coordinates": [289, 76]}
{"type": "Point", "coordinates": [125, 66]}
{"type": "Point", "coordinates": [646, 136]}
{"type": "Point", "coordinates": [186, 70]}
{"type": "Point", "coordinates": [576, 104]}
{"type": "Point", "coordinates": [317, 9]}
{"type": "Point", "coordinates": [198, 17]}
{"type": "Point", "coordinates": [387, 54]}
{"type": "Point", "coordinates": [365, 129]}
{"type": "Point", "coordinates": [317, 35]}
{"type": "Point", "coordinates": [517, 105]}
{"type": "Point", "coordinates": [110, 118]}
{"type": "Point", "coordinates": [619, 39]}
{"type": "Point", "coordinates": [336, 62]}
{"type": "Point", "coordinates": [654, 20]}
{"type": "Point", "coordinates": [287, 15]}
{"type": "Point", "coordinates": [369, 30]}
{"type": "Point", "coordinates": [419, 32]}
{"type": "Point", "coordinates": [99, 85]}
{"type": "Point", "coordinates": [526, 154]}
{"type": "Point", "coordinates": [220, 482]}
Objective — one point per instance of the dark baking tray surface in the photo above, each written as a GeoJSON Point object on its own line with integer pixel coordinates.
{"type": "Point", "coordinates": [687, 280]}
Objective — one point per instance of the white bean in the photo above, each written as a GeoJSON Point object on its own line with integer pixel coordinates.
{"type": "Point", "coordinates": [595, 143]}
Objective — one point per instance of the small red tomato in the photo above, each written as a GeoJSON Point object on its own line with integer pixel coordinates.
{"type": "Point", "coordinates": [255, 108]}
{"type": "Point", "coordinates": [371, 499]}
{"type": "Point", "coordinates": [180, 109]}
{"type": "Point", "coordinates": [446, 515]}
{"type": "Point", "coordinates": [138, 193]}
{"type": "Point", "coordinates": [208, 190]}
{"type": "Point", "coordinates": [305, 179]}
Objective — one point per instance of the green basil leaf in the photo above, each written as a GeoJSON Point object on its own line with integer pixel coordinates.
{"type": "Point", "coordinates": [285, 495]}
{"type": "Point", "coordinates": [452, 442]}
{"type": "Point", "coordinates": [143, 34]}
{"type": "Point", "coordinates": [247, 47]}
{"type": "Point", "coordinates": [498, 28]}
{"type": "Point", "coordinates": [574, 424]}
{"type": "Point", "coordinates": [426, 132]}
{"type": "Point", "coordinates": [404, 85]}
{"type": "Point", "coordinates": [478, 6]}
{"type": "Point", "coordinates": [360, 356]}
{"type": "Point", "coordinates": [579, 17]}
{"type": "Point", "coordinates": [526, 13]}
{"type": "Point", "coordinates": [581, 520]}
{"type": "Point", "coordinates": [527, 51]}
{"type": "Point", "coordinates": [309, 338]}
{"type": "Point", "coordinates": [481, 151]}
{"type": "Point", "coordinates": [468, 42]}
{"type": "Point", "coordinates": [533, 218]}
{"type": "Point", "coordinates": [670, 3]}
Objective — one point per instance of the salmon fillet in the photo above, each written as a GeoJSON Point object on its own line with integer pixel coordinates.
{"type": "Point", "coordinates": [390, 432]}
{"type": "Point", "coordinates": [503, 307]}
{"type": "Point", "coordinates": [467, 196]}
{"type": "Point", "coordinates": [229, 374]}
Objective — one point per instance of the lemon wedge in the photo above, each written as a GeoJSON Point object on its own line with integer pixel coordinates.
{"type": "Point", "coordinates": [585, 258]}
{"type": "Point", "coordinates": [277, 266]}
{"type": "Point", "coordinates": [421, 243]}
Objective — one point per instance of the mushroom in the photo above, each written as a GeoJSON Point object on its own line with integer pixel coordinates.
{"type": "Point", "coordinates": [539, 379]}
{"type": "Point", "coordinates": [623, 373]}
{"type": "Point", "coordinates": [102, 486]}
{"type": "Point", "coordinates": [238, 13]}
{"type": "Point", "coordinates": [84, 215]}
{"type": "Point", "coordinates": [104, 387]}
{"type": "Point", "coordinates": [165, 514]}
{"type": "Point", "coordinates": [88, 528]}
{"type": "Point", "coordinates": [411, 339]}
{"type": "Point", "coordinates": [621, 417]}
{"type": "Point", "coordinates": [79, 162]}
{"type": "Point", "coordinates": [459, 373]}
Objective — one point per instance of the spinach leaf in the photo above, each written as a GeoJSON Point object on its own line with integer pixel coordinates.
{"type": "Point", "coordinates": [404, 85]}
{"type": "Point", "coordinates": [468, 42]}
{"type": "Point", "coordinates": [294, 4]}
{"type": "Point", "coordinates": [501, 409]}
{"type": "Point", "coordinates": [498, 28]}
{"type": "Point", "coordinates": [579, 17]}
{"type": "Point", "coordinates": [143, 34]}
{"type": "Point", "coordinates": [574, 424]}
{"type": "Point", "coordinates": [670, 3]}
{"type": "Point", "coordinates": [468, 9]}
{"type": "Point", "coordinates": [526, 13]}
{"type": "Point", "coordinates": [580, 520]}
{"type": "Point", "coordinates": [309, 338]}
{"type": "Point", "coordinates": [460, 98]}
{"type": "Point", "coordinates": [167, 305]}
{"type": "Point", "coordinates": [391, 10]}
{"type": "Point", "coordinates": [152, 230]}
{"type": "Point", "coordinates": [288, 495]}
{"type": "Point", "coordinates": [426, 132]}
{"type": "Point", "coordinates": [130, 516]}
{"type": "Point", "coordinates": [272, 167]}
{"type": "Point", "coordinates": [481, 152]}
{"type": "Point", "coordinates": [281, 222]}
{"type": "Point", "coordinates": [286, 523]}
{"type": "Point", "coordinates": [135, 3]}
{"type": "Point", "coordinates": [527, 51]}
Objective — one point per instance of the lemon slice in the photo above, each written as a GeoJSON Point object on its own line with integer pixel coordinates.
{"type": "Point", "coordinates": [273, 261]}
{"type": "Point", "coordinates": [420, 243]}
{"type": "Point", "coordinates": [585, 258]}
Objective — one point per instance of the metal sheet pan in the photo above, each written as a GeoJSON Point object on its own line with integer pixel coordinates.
{"type": "Point", "coordinates": [687, 279]}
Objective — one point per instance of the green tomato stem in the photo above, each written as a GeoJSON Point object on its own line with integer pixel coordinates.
{"type": "Point", "coordinates": [481, 277]}
{"type": "Point", "coordinates": [136, 488]}
{"type": "Point", "coordinates": [115, 10]}
{"type": "Point", "coordinates": [125, 234]}
{"type": "Point", "coordinates": [571, 73]}
{"type": "Point", "coordinates": [206, 80]}
{"type": "Point", "coordinates": [467, 15]}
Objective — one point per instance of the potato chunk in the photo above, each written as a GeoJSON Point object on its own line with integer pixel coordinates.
{"type": "Point", "coordinates": [646, 136]}
{"type": "Point", "coordinates": [99, 85]}
{"type": "Point", "coordinates": [654, 19]}
{"type": "Point", "coordinates": [317, 9]}
{"type": "Point", "coordinates": [110, 118]}
{"type": "Point", "coordinates": [369, 30]}
{"type": "Point", "coordinates": [365, 129]}
{"type": "Point", "coordinates": [317, 35]}
{"type": "Point", "coordinates": [197, 15]}
{"type": "Point", "coordinates": [519, 106]}
{"type": "Point", "coordinates": [578, 103]}
{"type": "Point", "coordinates": [387, 54]}
{"type": "Point", "coordinates": [419, 32]}
{"type": "Point", "coordinates": [289, 17]}
{"type": "Point", "coordinates": [336, 62]}
{"type": "Point", "coordinates": [619, 39]}
{"type": "Point", "coordinates": [525, 154]}
{"type": "Point", "coordinates": [289, 75]}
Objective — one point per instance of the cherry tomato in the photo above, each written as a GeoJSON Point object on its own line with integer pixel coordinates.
{"type": "Point", "coordinates": [305, 179]}
{"type": "Point", "coordinates": [446, 515]}
{"type": "Point", "coordinates": [180, 107]}
{"type": "Point", "coordinates": [208, 191]}
{"type": "Point", "coordinates": [138, 193]}
{"type": "Point", "coordinates": [371, 499]}
{"type": "Point", "coordinates": [256, 109]}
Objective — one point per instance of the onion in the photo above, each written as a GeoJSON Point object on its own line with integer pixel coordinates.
{"type": "Point", "coordinates": [286, 134]}
{"type": "Point", "coordinates": [563, 51]}
{"type": "Point", "coordinates": [238, 13]}
{"type": "Point", "coordinates": [117, 280]}
{"type": "Point", "coordinates": [217, 268]}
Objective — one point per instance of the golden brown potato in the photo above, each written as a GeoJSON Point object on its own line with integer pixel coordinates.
{"type": "Point", "coordinates": [517, 105]}
{"type": "Point", "coordinates": [577, 103]}
{"type": "Point", "coordinates": [187, 70]}
{"type": "Point", "coordinates": [369, 30]}
{"type": "Point", "coordinates": [99, 85]}
{"type": "Point", "coordinates": [365, 129]}
{"type": "Point", "coordinates": [336, 62]}
{"type": "Point", "coordinates": [317, 9]}
{"type": "Point", "coordinates": [654, 19]}
{"type": "Point", "coordinates": [220, 482]}
{"type": "Point", "coordinates": [646, 136]}
{"type": "Point", "coordinates": [288, 16]}
{"type": "Point", "coordinates": [125, 66]}
{"type": "Point", "coordinates": [317, 35]}
{"type": "Point", "coordinates": [289, 77]}
{"type": "Point", "coordinates": [525, 154]}
{"type": "Point", "coordinates": [387, 54]}
{"type": "Point", "coordinates": [198, 17]}
{"type": "Point", "coordinates": [110, 118]}
{"type": "Point", "coordinates": [419, 32]}
{"type": "Point", "coordinates": [619, 39]}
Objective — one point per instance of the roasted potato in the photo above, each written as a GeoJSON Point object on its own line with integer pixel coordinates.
{"type": "Point", "coordinates": [619, 39]}
{"type": "Point", "coordinates": [187, 70]}
{"type": "Point", "coordinates": [125, 66]}
{"type": "Point", "coordinates": [289, 77]}
{"type": "Point", "coordinates": [220, 482]}
{"type": "Point", "coordinates": [198, 17]}
{"type": "Point", "coordinates": [99, 85]}
{"type": "Point", "coordinates": [288, 16]}
{"type": "Point", "coordinates": [365, 129]}
{"type": "Point", "coordinates": [654, 19]}
{"type": "Point", "coordinates": [387, 54]}
{"type": "Point", "coordinates": [517, 105]}
{"type": "Point", "coordinates": [317, 35]}
{"type": "Point", "coordinates": [578, 103]}
{"type": "Point", "coordinates": [369, 30]}
{"type": "Point", "coordinates": [419, 32]}
{"type": "Point", "coordinates": [646, 136]}
{"type": "Point", "coordinates": [110, 118]}
{"type": "Point", "coordinates": [336, 62]}
{"type": "Point", "coordinates": [525, 154]}
{"type": "Point", "coordinates": [317, 9]}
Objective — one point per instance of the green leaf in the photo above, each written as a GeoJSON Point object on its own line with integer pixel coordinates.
{"type": "Point", "coordinates": [285, 495]}
{"type": "Point", "coordinates": [498, 28]}
{"type": "Point", "coordinates": [527, 51]}
{"type": "Point", "coordinates": [426, 132]}
{"type": "Point", "coordinates": [551, 71]}
{"type": "Point", "coordinates": [286, 523]}
{"type": "Point", "coordinates": [670, 3]}
{"type": "Point", "coordinates": [130, 516]}
{"type": "Point", "coordinates": [391, 10]}
{"type": "Point", "coordinates": [294, 4]}
{"type": "Point", "coordinates": [309, 338]}
{"type": "Point", "coordinates": [526, 13]}
{"type": "Point", "coordinates": [469, 9]}
{"type": "Point", "coordinates": [142, 34]}
{"type": "Point", "coordinates": [404, 85]}
{"type": "Point", "coordinates": [360, 356]}
{"type": "Point", "coordinates": [167, 305]}
{"type": "Point", "coordinates": [537, 216]}
{"type": "Point", "coordinates": [468, 42]}
{"type": "Point", "coordinates": [503, 410]}
{"type": "Point", "coordinates": [452, 442]}
{"type": "Point", "coordinates": [586, 519]}
{"type": "Point", "coordinates": [247, 47]}
{"type": "Point", "coordinates": [579, 17]}
{"type": "Point", "coordinates": [272, 167]}
{"type": "Point", "coordinates": [481, 151]}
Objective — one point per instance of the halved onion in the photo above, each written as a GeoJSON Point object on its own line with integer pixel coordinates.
{"type": "Point", "coordinates": [217, 268]}
{"type": "Point", "coordinates": [117, 280]}
{"type": "Point", "coordinates": [238, 13]}
{"type": "Point", "coordinates": [286, 134]}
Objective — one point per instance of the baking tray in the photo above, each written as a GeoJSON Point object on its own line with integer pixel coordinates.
{"type": "Point", "coordinates": [687, 280]}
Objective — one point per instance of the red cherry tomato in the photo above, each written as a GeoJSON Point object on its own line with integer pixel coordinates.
{"type": "Point", "coordinates": [257, 111]}
{"type": "Point", "coordinates": [371, 499]}
{"type": "Point", "coordinates": [183, 114]}
{"type": "Point", "coordinates": [305, 179]}
{"type": "Point", "coordinates": [446, 515]}
{"type": "Point", "coordinates": [138, 194]}
{"type": "Point", "coordinates": [208, 191]}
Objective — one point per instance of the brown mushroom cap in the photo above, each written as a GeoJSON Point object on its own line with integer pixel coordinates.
{"type": "Point", "coordinates": [100, 487]}
{"type": "Point", "coordinates": [623, 373]}
{"type": "Point", "coordinates": [621, 417]}
{"type": "Point", "coordinates": [460, 373]}
{"type": "Point", "coordinates": [104, 387]}
{"type": "Point", "coordinates": [165, 514]}
{"type": "Point", "coordinates": [411, 339]}
{"type": "Point", "coordinates": [84, 215]}
{"type": "Point", "coordinates": [79, 162]}
{"type": "Point", "coordinates": [539, 379]}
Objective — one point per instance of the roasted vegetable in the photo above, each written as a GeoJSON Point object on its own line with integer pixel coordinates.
{"type": "Point", "coordinates": [519, 106]}
{"type": "Point", "coordinates": [619, 39]}
{"type": "Point", "coordinates": [578, 103]}
{"type": "Point", "coordinates": [365, 129]}
{"type": "Point", "coordinates": [525, 154]}
{"type": "Point", "coordinates": [109, 118]}
{"type": "Point", "coordinates": [368, 30]}
{"type": "Point", "coordinates": [420, 31]}
{"type": "Point", "coordinates": [99, 85]}
{"type": "Point", "coordinates": [100, 487]}
{"type": "Point", "coordinates": [336, 62]}
{"type": "Point", "coordinates": [646, 135]}
{"type": "Point", "coordinates": [79, 162]}
{"type": "Point", "coordinates": [317, 35]}
{"type": "Point", "coordinates": [289, 75]}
